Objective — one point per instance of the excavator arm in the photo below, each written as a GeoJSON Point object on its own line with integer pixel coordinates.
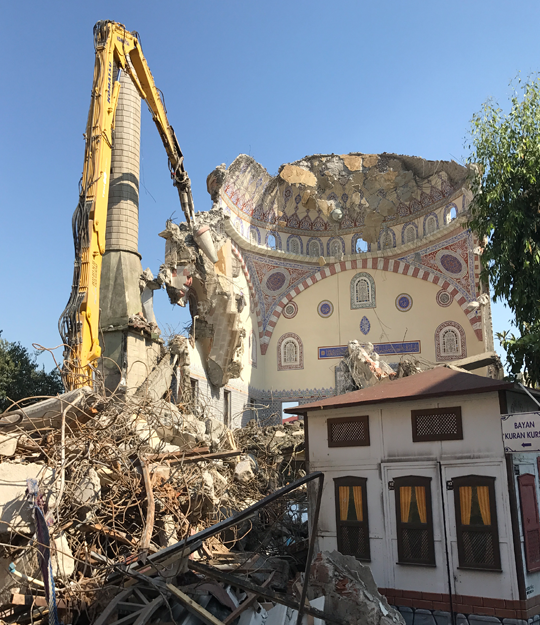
{"type": "Point", "coordinates": [116, 50]}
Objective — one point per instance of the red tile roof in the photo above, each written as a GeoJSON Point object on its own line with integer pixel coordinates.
{"type": "Point", "coordinates": [436, 382]}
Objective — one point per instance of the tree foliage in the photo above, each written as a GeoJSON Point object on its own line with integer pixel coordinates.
{"type": "Point", "coordinates": [21, 377]}
{"type": "Point", "coordinates": [505, 213]}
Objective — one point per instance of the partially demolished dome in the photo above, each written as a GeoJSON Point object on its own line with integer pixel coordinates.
{"type": "Point", "coordinates": [345, 193]}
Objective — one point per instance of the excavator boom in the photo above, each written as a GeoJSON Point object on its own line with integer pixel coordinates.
{"type": "Point", "coordinates": [116, 50]}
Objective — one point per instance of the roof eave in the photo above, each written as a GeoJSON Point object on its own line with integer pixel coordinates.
{"type": "Point", "coordinates": [506, 386]}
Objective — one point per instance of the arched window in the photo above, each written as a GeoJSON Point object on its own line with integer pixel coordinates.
{"type": "Point", "coordinates": [387, 241]}
{"type": "Point", "coordinates": [294, 246]}
{"type": "Point", "coordinates": [431, 224]}
{"type": "Point", "coordinates": [314, 249]}
{"type": "Point", "coordinates": [290, 352]}
{"type": "Point", "coordinates": [358, 245]}
{"type": "Point", "coordinates": [361, 246]}
{"type": "Point", "coordinates": [450, 342]}
{"type": "Point", "coordinates": [335, 248]}
{"type": "Point", "coordinates": [253, 237]}
{"type": "Point", "coordinates": [450, 215]}
{"type": "Point", "coordinates": [271, 241]}
{"type": "Point", "coordinates": [362, 291]}
{"type": "Point", "coordinates": [410, 234]}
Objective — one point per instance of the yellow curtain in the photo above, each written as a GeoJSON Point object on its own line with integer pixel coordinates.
{"type": "Point", "coordinates": [421, 503]}
{"type": "Point", "coordinates": [343, 502]}
{"type": "Point", "coordinates": [405, 495]}
{"type": "Point", "coordinates": [465, 503]}
{"type": "Point", "coordinates": [357, 494]}
{"type": "Point", "coordinates": [483, 500]}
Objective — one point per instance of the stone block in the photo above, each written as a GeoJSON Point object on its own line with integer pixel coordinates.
{"type": "Point", "coordinates": [480, 619]}
{"type": "Point", "coordinates": [506, 621]}
{"type": "Point", "coordinates": [461, 619]}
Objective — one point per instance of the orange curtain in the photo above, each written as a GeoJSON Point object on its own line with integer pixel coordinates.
{"type": "Point", "coordinates": [420, 492]}
{"type": "Point", "coordinates": [483, 501]}
{"type": "Point", "coordinates": [343, 502]}
{"type": "Point", "coordinates": [357, 494]}
{"type": "Point", "coordinates": [405, 495]}
{"type": "Point", "coordinates": [465, 503]}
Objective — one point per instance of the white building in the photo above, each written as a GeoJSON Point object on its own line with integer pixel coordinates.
{"type": "Point", "coordinates": [417, 484]}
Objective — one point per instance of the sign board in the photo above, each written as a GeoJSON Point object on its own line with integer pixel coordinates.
{"type": "Point", "coordinates": [521, 431]}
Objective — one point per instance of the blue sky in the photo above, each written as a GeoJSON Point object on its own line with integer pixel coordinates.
{"type": "Point", "coordinates": [276, 80]}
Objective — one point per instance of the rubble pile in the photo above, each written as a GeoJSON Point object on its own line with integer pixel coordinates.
{"type": "Point", "coordinates": [119, 479]}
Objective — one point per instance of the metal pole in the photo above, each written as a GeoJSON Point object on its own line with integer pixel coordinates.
{"type": "Point", "coordinates": [448, 572]}
{"type": "Point", "coordinates": [314, 525]}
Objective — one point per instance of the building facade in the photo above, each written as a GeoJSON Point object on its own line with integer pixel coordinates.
{"type": "Point", "coordinates": [418, 485]}
{"type": "Point", "coordinates": [373, 248]}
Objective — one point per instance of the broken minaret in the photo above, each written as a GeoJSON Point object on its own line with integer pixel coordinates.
{"type": "Point", "coordinates": [128, 355]}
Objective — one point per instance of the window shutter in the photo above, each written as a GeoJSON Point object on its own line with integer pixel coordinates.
{"type": "Point", "coordinates": [531, 523]}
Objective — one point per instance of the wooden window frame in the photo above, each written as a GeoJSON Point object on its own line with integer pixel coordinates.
{"type": "Point", "coordinates": [436, 437]}
{"type": "Point", "coordinates": [477, 480]}
{"type": "Point", "coordinates": [352, 481]}
{"type": "Point", "coordinates": [357, 443]}
{"type": "Point", "coordinates": [529, 480]}
{"type": "Point", "coordinates": [415, 480]}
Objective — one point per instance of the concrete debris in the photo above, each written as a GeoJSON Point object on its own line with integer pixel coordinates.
{"type": "Point", "coordinates": [88, 490]}
{"type": "Point", "coordinates": [8, 444]}
{"type": "Point", "coordinates": [159, 380]}
{"type": "Point", "coordinates": [62, 558]}
{"type": "Point", "coordinates": [48, 413]}
{"type": "Point", "coordinates": [365, 365]}
{"type": "Point", "coordinates": [132, 476]}
{"type": "Point", "coordinates": [141, 478]}
{"type": "Point", "coordinates": [243, 472]}
{"type": "Point", "coordinates": [481, 360]}
{"type": "Point", "coordinates": [200, 266]}
{"type": "Point", "coordinates": [350, 591]}
{"type": "Point", "coordinates": [339, 191]}
{"type": "Point", "coordinates": [15, 513]}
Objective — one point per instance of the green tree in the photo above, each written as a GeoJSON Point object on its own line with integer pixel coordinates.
{"type": "Point", "coordinates": [505, 213]}
{"type": "Point", "coordinates": [21, 377]}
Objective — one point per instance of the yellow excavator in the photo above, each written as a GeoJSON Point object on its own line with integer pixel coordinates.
{"type": "Point", "coordinates": [116, 50]}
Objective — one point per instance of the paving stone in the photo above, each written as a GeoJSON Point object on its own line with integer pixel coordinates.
{"type": "Point", "coordinates": [407, 614]}
{"type": "Point", "coordinates": [423, 617]}
{"type": "Point", "coordinates": [442, 618]}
